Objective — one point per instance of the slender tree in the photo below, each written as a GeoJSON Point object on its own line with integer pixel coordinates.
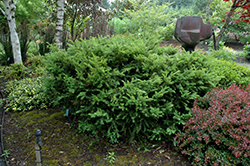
{"type": "Point", "coordinates": [9, 7]}
{"type": "Point", "coordinates": [59, 23]}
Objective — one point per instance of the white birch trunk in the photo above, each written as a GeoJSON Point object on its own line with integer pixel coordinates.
{"type": "Point", "coordinates": [59, 23]}
{"type": "Point", "coordinates": [10, 7]}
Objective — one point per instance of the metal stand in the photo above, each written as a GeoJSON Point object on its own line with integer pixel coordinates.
{"type": "Point", "coordinates": [38, 147]}
{"type": "Point", "coordinates": [189, 49]}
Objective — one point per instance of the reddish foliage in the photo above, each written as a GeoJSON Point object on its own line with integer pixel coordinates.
{"type": "Point", "coordinates": [219, 130]}
{"type": "Point", "coordinates": [245, 12]}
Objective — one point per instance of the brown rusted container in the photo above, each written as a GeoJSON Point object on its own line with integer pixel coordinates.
{"type": "Point", "coordinates": [190, 30]}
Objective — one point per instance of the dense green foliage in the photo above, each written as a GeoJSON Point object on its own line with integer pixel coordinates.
{"type": "Point", "coordinates": [146, 20]}
{"type": "Point", "coordinates": [231, 72]}
{"type": "Point", "coordinates": [16, 71]}
{"type": "Point", "coordinates": [121, 87]}
{"type": "Point", "coordinates": [6, 54]}
{"type": "Point", "coordinates": [34, 67]}
{"type": "Point", "coordinates": [200, 6]}
{"type": "Point", "coordinates": [26, 94]}
{"type": "Point", "coordinates": [247, 51]}
{"type": "Point", "coordinates": [176, 3]}
{"type": "Point", "coordinates": [218, 132]}
{"type": "Point", "coordinates": [225, 53]}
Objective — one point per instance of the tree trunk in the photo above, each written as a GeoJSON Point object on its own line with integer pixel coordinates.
{"type": "Point", "coordinates": [10, 8]}
{"type": "Point", "coordinates": [59, 23]}
{"type": "Point", "coordinates": [227, 21]}
{"type": "Point", "coordinates": [208, 22]}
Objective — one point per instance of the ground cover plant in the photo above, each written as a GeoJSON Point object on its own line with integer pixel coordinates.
{"type": "Point", "coordinates": [26, 94]}
{"type": "Point", "coordinates": [121, 87]}
{"type": "Point", "coordinates": [218, 132]}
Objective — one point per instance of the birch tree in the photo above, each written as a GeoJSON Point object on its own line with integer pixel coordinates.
{"type": "Point", "coordinates": [59, 23]}
{"type": "Point", "coordinates": [9, 7]}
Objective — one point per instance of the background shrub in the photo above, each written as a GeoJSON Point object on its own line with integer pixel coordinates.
{"type": "Point", "coordinates": [218, 132]}
{"type": "Point", "coordinates": [225, 53]}
{"type": "Point", "coordinates": [26, 94]}
{"type": "Point", "coordinates": [247, 52]}
{"type": "Point", "coordinates": [6, 54]}
{"type": "Point", "coordinates": [122, 87]}
{"type": "Point", "coordinates": [16, 71]}
{"type": "Point", "coordinates": [231, 72]}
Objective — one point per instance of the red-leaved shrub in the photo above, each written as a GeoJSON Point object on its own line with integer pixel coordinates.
{"type": "Point", "coordinates": [218, 133]}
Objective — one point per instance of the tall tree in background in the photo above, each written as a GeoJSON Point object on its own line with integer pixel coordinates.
{"type": "Point", "coordinates": [9, 7]}
{"type": "Point", "coordinates": [59, 23]}
{"type": "Point", "coordinates": [179, 3]}
{"type": "Point", "coordinates": [244, 5]}
{"type": "Point", "coordinates": [200, 6]}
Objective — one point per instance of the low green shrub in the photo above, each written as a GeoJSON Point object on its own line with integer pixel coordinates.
{"type": "Point", "coordinates": [218, 131]}
{"type": "Point", "coordinates": [17, 71]}
{"type": "Point", "coordinates": [211, 45]}
{"type": "Point", "coordinates": [225, 53]}
{"type": "Point", "coordinates": [167, 32]}
{"type": "Point", "coordinates": [244, 38]}
{"type": "Point", "coordinates": [34, 67]}
{"type": "Point", "coordinates": [120, 26]}
{"type": "Point", "coordinates": [26, 94]}
{"type": "Point", "coordinates": [247, 52]}
{"type": "Point", "coordinates": [37, 65]}
{"type": "Point", "coordinates": [121, 87]}
{"type": "Point", "coordinates": [231, 72]}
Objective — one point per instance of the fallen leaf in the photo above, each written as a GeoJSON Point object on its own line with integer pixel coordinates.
{"type": "Point", "coordinates": [167, 157]}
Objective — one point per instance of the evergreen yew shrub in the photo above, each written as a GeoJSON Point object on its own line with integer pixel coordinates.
{"type": "Point", "coordinates": [231, 72]}
{"type": "Point", "coordinates": [218, 133]}
{"type": "Point", "coordinates": [123, 87]}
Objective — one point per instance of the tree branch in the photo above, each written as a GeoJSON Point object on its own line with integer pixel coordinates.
{"type": "Point", "coordinates": [239, 6]}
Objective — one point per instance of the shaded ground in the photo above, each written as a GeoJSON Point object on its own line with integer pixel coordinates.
{"type": "Point", "coordinates": [64, 146]}
{"type": "Point", "coordinates": [175, 43]}
{"type": "Point", "coordinates": [235, 45]}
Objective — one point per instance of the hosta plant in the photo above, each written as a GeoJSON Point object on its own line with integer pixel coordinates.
{"type": "Point", "coordinates": [218, 133]}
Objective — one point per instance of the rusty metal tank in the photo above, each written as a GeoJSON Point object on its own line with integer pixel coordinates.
{"type": "Point", "coordinates": [190, 30]}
